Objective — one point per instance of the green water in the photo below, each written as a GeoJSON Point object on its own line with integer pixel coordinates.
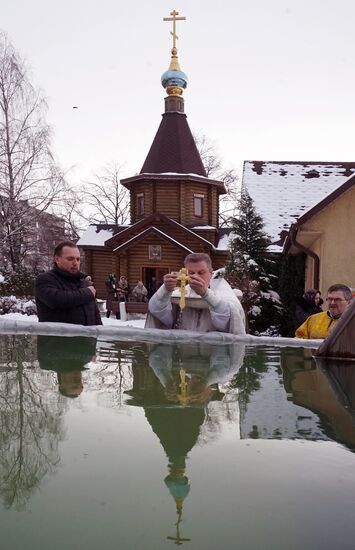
{"type": "Point", "coordinates": [137, 446]}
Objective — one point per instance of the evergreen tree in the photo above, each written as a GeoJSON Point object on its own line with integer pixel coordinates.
{"type": "Point", "coordinates": [291, 285]}
{"type": "Point", "coordinates": [252, 269]}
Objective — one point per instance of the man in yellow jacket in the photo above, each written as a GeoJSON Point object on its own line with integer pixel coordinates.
{"type": "Point", "coordinates": [320, 324]}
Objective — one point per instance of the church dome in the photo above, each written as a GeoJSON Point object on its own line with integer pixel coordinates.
{"type": "Point", "coordinates": [174, 78]}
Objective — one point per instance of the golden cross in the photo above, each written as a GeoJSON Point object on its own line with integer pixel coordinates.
{"type": "Point", "coordinates": [174, 18]}
{"type": "Point", "coordinates": [182, 280]}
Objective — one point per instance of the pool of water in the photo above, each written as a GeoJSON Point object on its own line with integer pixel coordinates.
{"type": "Point", "coordinates": [127, 445]}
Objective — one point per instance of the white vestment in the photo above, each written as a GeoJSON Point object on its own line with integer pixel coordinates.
{"type": "Point", "coordinates": [221, 310]}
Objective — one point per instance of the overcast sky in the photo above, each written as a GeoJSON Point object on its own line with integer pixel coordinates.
{"type": "Point", "coordinates": [267, 80]}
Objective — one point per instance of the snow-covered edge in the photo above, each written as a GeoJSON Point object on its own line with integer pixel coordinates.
{"type": "Point", "coordinates": [147, 335]}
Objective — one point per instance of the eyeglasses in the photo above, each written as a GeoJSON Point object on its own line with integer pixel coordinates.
{"type": "Point", "coordinates": [336, 300]}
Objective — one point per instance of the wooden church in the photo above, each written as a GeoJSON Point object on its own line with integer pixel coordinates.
{"type": "Point", "coordinates": [174, 206]}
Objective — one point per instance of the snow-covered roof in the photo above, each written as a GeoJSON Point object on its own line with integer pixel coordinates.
{"type": "Point", "coordinates": [284, 191]}
{"type": "Point", "coordinates": [223, 243]}
{"type": "Point", "coordinates": [181, 175]}
{"type": "Point", "coordinates": [95, 236]}
{"type": "Point", "coordinates": [203, 227]}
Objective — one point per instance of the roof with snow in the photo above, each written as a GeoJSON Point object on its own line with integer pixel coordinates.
{"type": "Point", "coordinates": [284, 191]}
{"type": "Point", "coordinates": [97, 234]}
{"type": "Point", "coordinates": [225, 238]}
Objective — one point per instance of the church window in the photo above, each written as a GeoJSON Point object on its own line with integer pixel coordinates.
{"type": "Point", "coordinates": [198, 204]}
{"type": "Point", "coordinates": [140, 204]}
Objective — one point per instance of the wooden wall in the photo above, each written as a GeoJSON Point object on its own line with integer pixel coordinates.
{"type": "Point", "coordinates": [138, 257]}
{"type": "Point", "coordinates": [99, 263]}
{"type": "Point", "coordinates": [168, 199]}
{"type": "Point", "coordinates": [147, 188]}
{"type": "Point", "coordinates": [176, 200]}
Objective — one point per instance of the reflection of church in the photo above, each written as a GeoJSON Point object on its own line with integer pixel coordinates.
{"type": "Point", "coordinates": [174, 205]}
{"type": "Point", "coordinates": [174, 391]}
{"type": "Point", "coordinates": [176, 426]}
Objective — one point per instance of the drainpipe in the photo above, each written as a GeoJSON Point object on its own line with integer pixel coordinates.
{"type": "Point", "coordinates": [296, 244]}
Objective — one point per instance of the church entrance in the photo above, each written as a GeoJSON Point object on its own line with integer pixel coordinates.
{"type": "Point", "coordinates": [153, 278]}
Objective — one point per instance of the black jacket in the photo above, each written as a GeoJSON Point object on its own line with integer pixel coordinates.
{"type": "Point", "coordinates": [305, 308]}
{"type": "Point", "coordinates": [63, 297]}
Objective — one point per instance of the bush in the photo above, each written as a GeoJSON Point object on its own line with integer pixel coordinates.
{"type": "Point", "coordinates": [17, 283]}
{"type": "Point", "coordinates": [11, 304]}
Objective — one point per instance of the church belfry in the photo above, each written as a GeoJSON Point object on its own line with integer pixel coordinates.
{"type": "Point", "coordinates": [174, 149]}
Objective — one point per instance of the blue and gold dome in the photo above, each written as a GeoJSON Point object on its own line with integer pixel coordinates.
{"type": "Point", "coordinates": [174, 80]}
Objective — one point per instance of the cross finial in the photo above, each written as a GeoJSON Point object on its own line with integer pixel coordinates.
{"type": "Point", "coordinates": [174, 18]}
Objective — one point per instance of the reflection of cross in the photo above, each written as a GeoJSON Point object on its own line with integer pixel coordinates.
{"type": "Point", "coordinates": [182, 397]}
{"type": "Point", "coordinates": [174, 19]}
{"type": "Point", "coordinates": [178, 540]}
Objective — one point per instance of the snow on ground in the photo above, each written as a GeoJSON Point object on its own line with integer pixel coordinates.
{"type": "Point", "coordinates": [138, 323]}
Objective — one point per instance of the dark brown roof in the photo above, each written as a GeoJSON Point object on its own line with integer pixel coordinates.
{"type": "Point", "coordinates": [174, 148]}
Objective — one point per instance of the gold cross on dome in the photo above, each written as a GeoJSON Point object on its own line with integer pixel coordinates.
{"type": "Point", "coordinates": [174, 18]}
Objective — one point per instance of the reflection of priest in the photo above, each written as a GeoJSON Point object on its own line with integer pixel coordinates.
{"type": "Point", "coordinates": [190, 373]}
{"type": "Point", "coordinates": [186, 379]}
{"type": "Point", "coordinates": [67, 356]}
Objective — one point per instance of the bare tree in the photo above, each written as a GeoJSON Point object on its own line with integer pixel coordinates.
{"type": "Point", "coordinates": [215, 169]}
{"type": "Point", "coordinates": [29, 179]}
{"type": "Point", "coordinates": [105, 199]}
{"type": "Point", "coordinates": [70, 210]}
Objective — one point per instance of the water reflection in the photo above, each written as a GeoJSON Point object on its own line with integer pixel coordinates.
{"type": "Point", "coordinates": [325, 387]}
{"type": "Point", "coordinates": [67, 357]}
{"type": "Point", "coordinates": [284, 394]}
{"type": "Point", "coordinates": [342, 374]}
{"type": "Point", "coordinates": [191, 396]}
{"type": "Point", "coordinates": [174, 393]}
{"type": "Point", "coordinates": [31, 422]}
{"type": "Point", "coordinates": [340, 406]}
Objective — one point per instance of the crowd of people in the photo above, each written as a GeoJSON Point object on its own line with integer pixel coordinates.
{"type": "Point", "coordinates": [65, 294]}
{"type": "Point", "coordinates": [118, 290]}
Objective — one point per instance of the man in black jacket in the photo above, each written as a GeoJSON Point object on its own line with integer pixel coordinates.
{"type": "Point", "coordinates": [65, 294]}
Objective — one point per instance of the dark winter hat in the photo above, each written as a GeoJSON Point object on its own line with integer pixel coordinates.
{"type": "Point", "coordinates": [310, 294]}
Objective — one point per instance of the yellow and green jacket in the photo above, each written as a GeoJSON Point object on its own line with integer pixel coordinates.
{"type": "Point", "coordinates": [316, 326]}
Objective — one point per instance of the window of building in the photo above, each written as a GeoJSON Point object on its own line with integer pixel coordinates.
{"type": "Point", "coordinates": [140, 204]}
{"type": "Point", "coordinates": [198, 204]}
